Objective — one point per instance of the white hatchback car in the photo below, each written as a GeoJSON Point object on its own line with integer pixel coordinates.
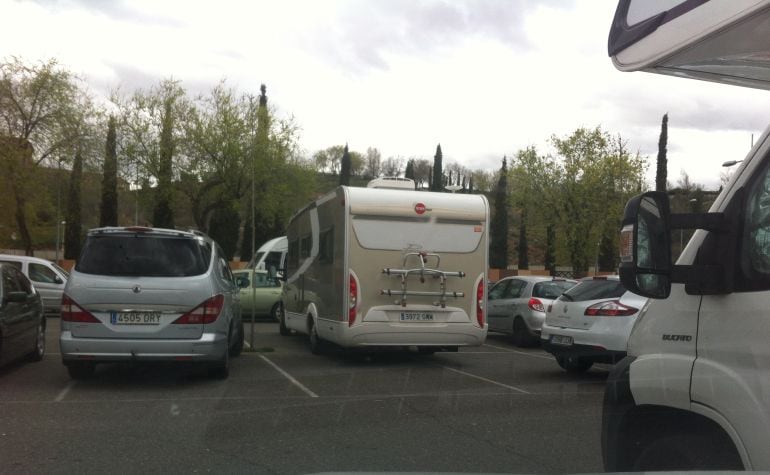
{"type": "Point", "coordinates": [590, 323]}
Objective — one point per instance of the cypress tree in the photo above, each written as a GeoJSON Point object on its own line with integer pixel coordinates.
{"type": "Point", "coordinates": [108, 215]}
{"type": "Point", "coordinates": [661, 174]}
{"type": "Point", "coordinates": [523, 245]}
{"type": "Point", "coordinates": [223, 228]}
{"type": "Point", "coordinates": [73, 216]}
{"type": "Point", "coordinates": [345, 167]}
{"type": "Point", "coordinates": [498, 246]}
{"type": "Point", "coordinates": [163, 215]}
{"type": "Point", "coordinates": [438, 173]}
{"type": "Point", "coordinates": [549, 260]}
{"type": "Point", "coordinates": [409, 172]}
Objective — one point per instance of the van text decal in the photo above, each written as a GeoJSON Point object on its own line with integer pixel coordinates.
{"type": "Point", "coordinates": [667, 337]}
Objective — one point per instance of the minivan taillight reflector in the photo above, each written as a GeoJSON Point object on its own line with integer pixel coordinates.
{"type": "Point", "coordinates": [612, 308]}
{"type": "Point", "coordinates": [72, 312]}
{"type": "Point", "coordinates": [352, 300]}
{"type": "Point", "coordinates": [205, 313]}
{"type": "Point", "coordinates": [480, 303]}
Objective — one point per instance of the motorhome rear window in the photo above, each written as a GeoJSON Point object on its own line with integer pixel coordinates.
{"type": "Point", "coordinates": [396, 234]}
{"type": "Point", "coordinates": [148, 256]}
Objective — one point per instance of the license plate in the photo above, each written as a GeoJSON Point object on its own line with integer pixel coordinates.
{"type": "Point", "coordinates": [416, 317]}
{"type": "Point", "coordinates": [135, 318]}
{"type": "Point", "coordinates": [561, 340]}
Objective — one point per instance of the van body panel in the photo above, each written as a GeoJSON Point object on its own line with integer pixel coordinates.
{"type": "Point", "coordinates": [42, 274]}
{"type": "Point", "coordinates": [357, 234]}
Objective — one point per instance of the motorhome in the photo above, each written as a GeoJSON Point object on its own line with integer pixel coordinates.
{"type": "Point", "coordinates": [377, 267]}
{"type": "Point", "coordinates": [694, 392]}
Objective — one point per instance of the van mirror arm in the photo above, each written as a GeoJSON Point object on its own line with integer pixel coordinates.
{"type": "Point", "coordinates": [709, 221]}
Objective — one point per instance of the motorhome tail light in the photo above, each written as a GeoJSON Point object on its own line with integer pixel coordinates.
{"type": "Point", "coordinates": [72, 312]}
{"type": "Point", "coordinates": [536, 305]}
{"type": "Point", "coordinates": [480, 303]}
{"type": "Point", "coordinates": [627, 243]}
{"type": "Point", "coordinates": [205, 313]}
{"type": "Point", "coordinates": [352, 300]}
{"type": "Point", "coordinates": [613, 308]}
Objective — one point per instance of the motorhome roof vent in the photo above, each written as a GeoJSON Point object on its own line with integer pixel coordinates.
{"type": "Point", "coordinates": [394, 183]}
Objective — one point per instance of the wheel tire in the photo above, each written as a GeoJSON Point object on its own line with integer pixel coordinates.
{"type": "Point", "coordinates": [274, 312]}
{"type": "Point", "coordinates": [574, 364]}
{"type": "Point", "coordinates": [38, 352]}
{"type": "Point", "coordinates": [282, 328]}
{"type": "Point", "coordinates": [316, 343]}
{"type": "Point", "coordinates": [221, 369]}
{"type": "Point", "coordinates": [426, 350]}
{"type": "Point", "coordinates": [520, 335]}
{"type": "Point", "coordinates": [81, 370]}
{"type": "Point", "coordinates": [237, 347]}
{"type": "Point", "coordinates": [679, 452]}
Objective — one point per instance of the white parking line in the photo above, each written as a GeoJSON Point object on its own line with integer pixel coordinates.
{"type": "Point", "coordinates": [518, 352]}
{"type": "Point", "coordinates": [289, 377]}
{"type": "Point", "coordinates": [246, 344]}
{"type": "Point", "coordinates": [63, 393]}
{"type": "Point", "coordinates": [487, 380]}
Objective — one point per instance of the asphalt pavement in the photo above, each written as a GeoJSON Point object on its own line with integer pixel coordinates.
{"type": "Point", "coordinates": [494, 409]}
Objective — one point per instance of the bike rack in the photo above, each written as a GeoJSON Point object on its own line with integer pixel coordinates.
{"type": "Point", "coordinates": [422, 271]}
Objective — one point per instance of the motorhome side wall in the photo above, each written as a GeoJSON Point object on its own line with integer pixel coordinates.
{"type": "Point", "coordinates": [315, 264]}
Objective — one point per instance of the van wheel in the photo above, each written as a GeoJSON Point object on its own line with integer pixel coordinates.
{"type": "Point", "coordinates": [237, 347]}
{"type": "Point", "coordinates": [221, 369]}
{"type": "Point", "coordinates": [39, 350]}
{"type": "Point", "coordinates": [282, 328]}
{"type": "Point", "coordinates": [573, 364]}
{"type": "Point", "coordinates": [316, 343]}
{"type": "Point", "coordinates": [81, 370]}
{"type": "Point", "coordinates": [274, 312]}
{"type": "Point", "coordinates": [521, 336]}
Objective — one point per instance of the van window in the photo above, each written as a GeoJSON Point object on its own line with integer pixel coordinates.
{"type": "Point", "coordinates": [41, 273]}
{"type": "Point", "coordinates": [292, 260]}
{"type": "Point", "coordinates": [305, 246]}
{"type": "Point", "coordinates": [326, 247]}
{"type": "Point", "coordinates": [755, 257]}
{"type": "Point", "coordinates": [397, 234]}
{"type": "Point", "coordinates": [137, 255]}
{"type": "Point", "coordinates": [15, 264]}
{"type": "Point", "coordinates": [640, 10]}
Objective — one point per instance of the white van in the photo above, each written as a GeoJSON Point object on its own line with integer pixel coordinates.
{"type": "Point", "coordinates": [694, 390]}
{"type": "Point", "coordinates": [371, 267]}
{"type": "Point", "coordinates": [270, 255]}
{"type": "Point", "coordinates": [48, 278]}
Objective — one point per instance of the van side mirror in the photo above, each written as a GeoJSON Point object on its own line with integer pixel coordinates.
{"type": "Point", "coordinates": [57, 280]}
{"type": "Point", "coordinates": [242, 282]}
{"type": "Point", "coordinates": [645, 245]}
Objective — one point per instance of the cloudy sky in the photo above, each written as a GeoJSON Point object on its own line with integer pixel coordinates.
{"type": "Point", "coordinates": [484, 78]}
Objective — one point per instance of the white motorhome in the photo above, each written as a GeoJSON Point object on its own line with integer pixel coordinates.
{"type": "Point", "coordinates": [270, 255]}
{"type": "Point", "coordinates": [370, 267]}
{"type": "Point", "coordinates": [694, 391]}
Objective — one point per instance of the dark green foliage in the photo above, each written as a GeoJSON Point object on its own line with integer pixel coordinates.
{"type": "Point", "coordinates": [409, 172]}
{"type": "Point", "coordinates": [246, 244]}
{"type": "Point", "coordinates": [163, 215]}
{"type": "Point", "coordinates": [108, 215]}
{"type": "Point", "coordinates": [523, 246]}
{"type": "Point", "coordinates": [549, 259]}
{"type": "Point", "coordinates": [661, 175]}
{"type": "Point", "coordinates": [608, 254]}
{"type": "Point", "coordinates": [223, 228]}
{"type": "Point", "coordinates": [437, 182]}
{"type": "Point", "coordinates": [498, 245]}
{"type": "Point", "coordinates": [345, 167]}
{"type": "Point", "coordinates": [73, 218]}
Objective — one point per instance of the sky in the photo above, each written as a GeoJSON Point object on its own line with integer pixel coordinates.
{"type": "Point", "coordinates": [484, 78]}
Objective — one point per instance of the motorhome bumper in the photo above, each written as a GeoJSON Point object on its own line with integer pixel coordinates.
{"type": "Point", "coordinates": [383, 334]}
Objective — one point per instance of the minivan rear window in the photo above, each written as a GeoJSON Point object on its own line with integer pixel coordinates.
{"type": "Point", "coordinates": [594, 290]}
{"type": "Point", "coordinates": [143, 255]}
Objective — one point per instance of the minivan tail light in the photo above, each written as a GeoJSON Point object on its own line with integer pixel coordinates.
{"type": "Point", "coordinates": [352, 299]}
{"type": "Point", "coordinates": [613, 308]}
{"type": "Point", "coordinates": [72, 312]}
{"type": "Point", "coordinates": [536, 305]}
{"type": "Point", "coordinates": [480, 303]}
{"type": "Point", "coordinates": [205, 313]}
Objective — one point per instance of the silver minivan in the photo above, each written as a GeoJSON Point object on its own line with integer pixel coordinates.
{"type": "Point", "coordinates": [48, 278]}
{"type": "Point", "coordinates": [148, 294]}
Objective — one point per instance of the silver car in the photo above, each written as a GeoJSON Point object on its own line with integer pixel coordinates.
{"type": "Point", "coordinates": [517, 305]}
{"type": "Point", "coordinates": [48, 278]}
{"type": "Point", "coordinates": [145, 294]}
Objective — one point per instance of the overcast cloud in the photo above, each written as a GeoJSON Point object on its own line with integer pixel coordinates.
{"type": "Point", "coordinates": [484, 78]}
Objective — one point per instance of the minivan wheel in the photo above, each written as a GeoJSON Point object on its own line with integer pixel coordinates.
{"type": "Point", "coordinates": [221, 369]}
{"type": "Point", "coordinates": [282, 328]}
{"type": "Point", "coordinates": [81, 369]}
{"type": "Point", "coordinates": [39, 350]}
{"type": "Point", "coordinates": [574, 364]}
{"type": "Point", "coordinates": [237, 347]}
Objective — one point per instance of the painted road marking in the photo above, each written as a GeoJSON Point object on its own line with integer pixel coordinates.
{"type": "Point", "coordinates": [487, 380]}
{"type": "Point", "coordinates": [289, 377]}
{"type": "Point", "coordinates": [63, 393]}
{"type": "Point", "coordinates": [519, 352]}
